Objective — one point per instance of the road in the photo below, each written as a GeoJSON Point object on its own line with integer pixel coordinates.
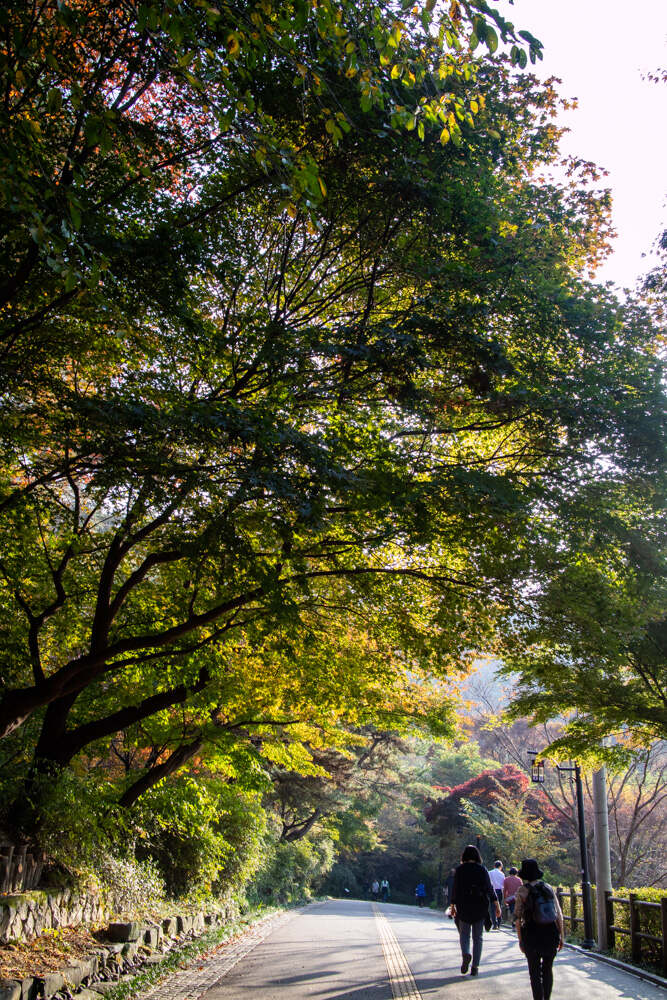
{"type": "Point", "coordinates": [350, 950]}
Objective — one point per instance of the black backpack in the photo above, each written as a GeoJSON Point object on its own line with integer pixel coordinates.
{"type": "Point", "coordinates": [541, 905]}
{"type": "Point", "coordinates": [475, 900]}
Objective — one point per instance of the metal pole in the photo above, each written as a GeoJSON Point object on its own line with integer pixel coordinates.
{"type": "Point", "coordinates": [602, 858]}
{"type": "Point", "coordinates": [588, 941]}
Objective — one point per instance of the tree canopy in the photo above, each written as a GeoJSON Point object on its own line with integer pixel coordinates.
{"type": "Point", "coordinates": [305, 388]}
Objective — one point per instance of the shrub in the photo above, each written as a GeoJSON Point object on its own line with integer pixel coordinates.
{"type": "Point", "coordinates": [294, 870]}
{"type": "Point", "coordinates": [650, 921]}
{"type": "Point", "coordinates": [203, 835]}
{"type": "Point", "coordinates": [78, 824]}
{"type": "Point", "coordinates": [131, 886]}
{"type": "Point", "coordinates": [341, 877]}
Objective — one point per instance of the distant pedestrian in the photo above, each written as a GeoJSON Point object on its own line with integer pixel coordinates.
{"type": "Point", "coordinates": [420, 894]}
{"type": "Point", "coordinates": [471, 897]}
{"type": "Point", "coordinates": [539, 925]}
{"type": "Point", "coordinates": [384, 889]}
{"type": "Point", "coordinates": [375, 888]}
{"type": "Point", "coordinates": [497, 881]}
{"type": "Point", "coordinates": [510, 886]}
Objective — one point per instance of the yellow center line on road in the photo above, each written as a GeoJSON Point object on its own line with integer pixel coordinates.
{"type": "Point", "coordinates": [403, 985]}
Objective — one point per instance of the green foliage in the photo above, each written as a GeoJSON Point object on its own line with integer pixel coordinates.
{"type": "Point", "coordinates": [232, 428]}
{"type": "Point", "coordinates": [591, 647]}
{"type": "Point", "coordinates": [449, 766]}
{"type": "Point", "coordinates": [512, 833]}
{"type": "Point", "coordinates": [404, 848]}
{"type": "Point", "coordinates": [345, 879]}
{"type": "Point", "coordinates": [132, 887]}
{"type": "Point", "coordinates": [77, 823]}
{"type": "Point", "coordinates": [650, 922]}
{"type": "Point", "coordinates": [305, 403]}
{"type": "Point", "coordinates": [293, 871]}
{"type": "Point", "coordinates": [201, 835]}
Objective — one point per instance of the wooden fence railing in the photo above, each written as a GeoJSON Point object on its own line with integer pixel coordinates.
{"type": "Point", "coordinates": [647, 923]}
{"type": "Point", "coordinates": [19, 870]}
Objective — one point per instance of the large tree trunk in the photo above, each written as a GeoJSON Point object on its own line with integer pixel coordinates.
{"type": "Point", "coordinates": [58, 746]}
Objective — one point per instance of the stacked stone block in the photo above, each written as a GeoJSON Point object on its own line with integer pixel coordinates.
{"type": "Point", "coordinates": [124, 948]}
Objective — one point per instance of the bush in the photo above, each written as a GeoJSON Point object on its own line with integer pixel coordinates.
{"type": "Point", "coordinates": [78, 824]}
{"type": "Point", "coordinates": [132, 886]}
{"type": "Point", "coordinates": [341, 877]}
{"type": "Point", "coordinates": [650, 922]}
{"type": "Point", "coordinates": [204, 836]}
{"type": "Point", "coordinates": [294, 870]}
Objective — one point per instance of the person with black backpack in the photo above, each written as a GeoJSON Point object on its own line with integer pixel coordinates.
{"type": "Point", "coordinates": [471, 895]}
{"type": "Point", "coordinates": [539, 925]}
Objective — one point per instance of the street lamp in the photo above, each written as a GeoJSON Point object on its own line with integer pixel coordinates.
{"type": "Point", "coordinates": [537, 776]}
{"type": "Point", "coordinates": [536, 769]}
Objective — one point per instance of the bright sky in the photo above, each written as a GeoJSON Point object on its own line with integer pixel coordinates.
{"type": "Point", "coordinates": [600, 49]}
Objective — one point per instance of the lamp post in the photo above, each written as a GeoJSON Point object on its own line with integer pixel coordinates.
{"type": "Point", "coordinates": [537, 775]}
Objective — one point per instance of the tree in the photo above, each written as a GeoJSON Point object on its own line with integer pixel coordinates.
{"type": "Point", "coordinates": [512, 832]}
{"type": "Point", "coordinates": [490, 789]}
{"type": "Point", "coordinates": [591, 649]}
{"type": "Point", "coordinates": [635, 790]}
{"type": "Point", "coordinates": [636, 819]}
{"type": "Point", "coordinates": [107, 110]}
{"type": "Point", "coordinates": [356, 405]}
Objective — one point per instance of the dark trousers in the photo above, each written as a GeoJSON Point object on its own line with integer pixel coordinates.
{"type": "Point", "coordinates": [540, 970]}
{"type": "Point", "coordinates": [477, 931]}
{"type": "Point", "coordinates": [496, 921]}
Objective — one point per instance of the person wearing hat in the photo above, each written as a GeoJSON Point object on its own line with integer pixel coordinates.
{"type": "Point", "coordinates": [539, 936]}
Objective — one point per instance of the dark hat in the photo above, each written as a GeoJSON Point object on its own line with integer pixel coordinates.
{"type": "Point", "coordinates": [530, 871]}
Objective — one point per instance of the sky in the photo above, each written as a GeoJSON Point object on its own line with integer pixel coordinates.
{"type": "Point", "coordinates": [600, 49]}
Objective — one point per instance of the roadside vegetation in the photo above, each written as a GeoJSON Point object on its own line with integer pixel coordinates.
{"type": "Point", "coordinates": [309, 401]}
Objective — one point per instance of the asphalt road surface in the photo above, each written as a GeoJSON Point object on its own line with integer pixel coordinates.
{"type": "Point", "coordinates": [350, 950]}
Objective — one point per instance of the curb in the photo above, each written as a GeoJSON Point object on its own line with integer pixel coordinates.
{"type": "Point", "coordinates": [616, 963]}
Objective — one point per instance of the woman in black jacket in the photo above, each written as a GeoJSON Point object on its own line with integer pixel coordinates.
{"type": "Point", "coordinates": [470, 904]}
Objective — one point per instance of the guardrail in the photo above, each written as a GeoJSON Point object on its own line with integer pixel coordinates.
{"type": "Point", "coordinates": [641, 915]}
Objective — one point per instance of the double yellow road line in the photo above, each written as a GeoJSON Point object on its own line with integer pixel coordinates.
{"type": "Point", "coordinates": [402, 981]}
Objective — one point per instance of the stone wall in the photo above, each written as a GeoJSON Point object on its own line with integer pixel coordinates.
{"type": "Point", "coordinates": [25, 915]}
{"type": "Point", "coordinates": [125, 949]}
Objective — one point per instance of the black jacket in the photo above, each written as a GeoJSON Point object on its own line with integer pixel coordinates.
{"type": "Point", "coordinates": [472, 892]}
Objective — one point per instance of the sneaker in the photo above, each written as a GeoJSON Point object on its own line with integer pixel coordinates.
{"type": "Point", "coordinates": [465, 963]}
{"type": "Point", "coordinates": [473, 971]}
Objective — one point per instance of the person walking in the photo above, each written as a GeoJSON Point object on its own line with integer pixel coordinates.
{"type": "Point", "coordinates": [539, 925]}
{"type": "Point", "coordinates": [420, 894]}
{"type": "Point", "coordinates": [510, 886]}
{"type": "Point", "coordinates": [375, 888]}
{"type": "Point", "coordinates": [497, 881]}
{"type": "Point", "coordinates": [384, 889]}
{"type": "Point", "coordinates": [471, 895]}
